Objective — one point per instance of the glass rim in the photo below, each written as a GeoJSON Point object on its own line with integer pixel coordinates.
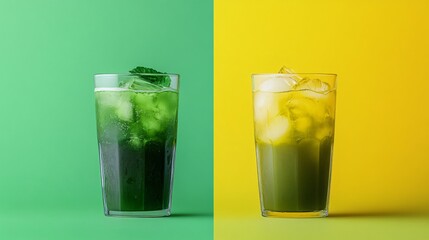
{"type": "Point", "coordinates": [295, 74]}
{"type": "Point", "coordinates": [136, 74]}
{"type": "Point", "coordinates": [113, 80]}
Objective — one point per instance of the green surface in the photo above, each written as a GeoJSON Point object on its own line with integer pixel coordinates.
{"type": "Point", "coordinates": [94, 225]}
{"type": "Point", "coordinates": [49, 162]}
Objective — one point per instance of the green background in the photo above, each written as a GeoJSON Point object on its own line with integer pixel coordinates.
{"type": "Point", "coordinates": [49, 169]}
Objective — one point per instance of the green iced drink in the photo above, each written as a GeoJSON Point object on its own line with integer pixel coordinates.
{"type": "Point", "coordinates": [294, 129]}
{"type": "Point", "coordinates": [136, 123]}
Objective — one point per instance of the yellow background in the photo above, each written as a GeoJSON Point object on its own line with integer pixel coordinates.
{"type": "Point", "coordinates": [380, 51]}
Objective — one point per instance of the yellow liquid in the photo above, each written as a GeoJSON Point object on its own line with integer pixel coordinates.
{"type": "Point", "coordinates": [294, 138]}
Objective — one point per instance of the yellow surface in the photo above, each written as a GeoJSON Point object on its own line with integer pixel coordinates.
{"type": "Point", "coordinates": [343, 227]}
{"type": "Point", "coordinates": [380, 51]}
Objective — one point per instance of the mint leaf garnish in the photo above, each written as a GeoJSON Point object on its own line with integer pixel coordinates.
{"type": "Point", "coordinates": [141, 72]}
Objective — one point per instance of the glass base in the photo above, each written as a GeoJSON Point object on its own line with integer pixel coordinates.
{"type": "Point", "coordinates": [315, 214]}
{"type": "Point", "coordinates": [142, 214]}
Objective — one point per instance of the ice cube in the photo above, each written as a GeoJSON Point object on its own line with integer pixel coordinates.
{"type": "Point", "coordinates": [151, 125]}
{"type": "Point", "coordinates": [303, 106]}
{"type": "Point", "coordinates": [167, 105]}
{"type": "Point", "coordinates": [167, 98]}
{"type": "Point", "coordinates": [107, 98]}
{"type": "Point", "coordinates": [285, 69]}
{"type": "Point", "coordinates": [276, 130]}
{"type": "Point", "coordinates": [277, 84]}
{"type": "Point", "coordinates": [291, 72]}
{"type": "Point", "coordinates": [139, 84]}
{"type": "Point", "coordinates": [325, 128]}
{"type": "Point", "coordinates": [303, 125]}
{"type": "Point", "coordinates": [117, 101]}
{"type": "Point", "coordinates": [314, 85]}
{"type": "Point", "coordinates": [265, 106]}
{"type": "Point", "coordinates": [124, 110]}
{"type": "Point", "coordinates": [145, 104]}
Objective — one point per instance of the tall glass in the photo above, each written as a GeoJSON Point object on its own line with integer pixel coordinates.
{"type": "Point", "coordinates": [294, 117]}
{"type": "Point", "coordinates": [136, 125]}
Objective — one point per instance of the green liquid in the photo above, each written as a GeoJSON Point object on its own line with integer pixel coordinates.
{"type": "Point", "coordinates": [295, 177]}
{"type": "Point", "coordinates": [137, 137]}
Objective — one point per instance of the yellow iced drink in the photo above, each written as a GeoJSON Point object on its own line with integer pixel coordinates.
{"type": "Point", "coordinates": [294, 129]}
